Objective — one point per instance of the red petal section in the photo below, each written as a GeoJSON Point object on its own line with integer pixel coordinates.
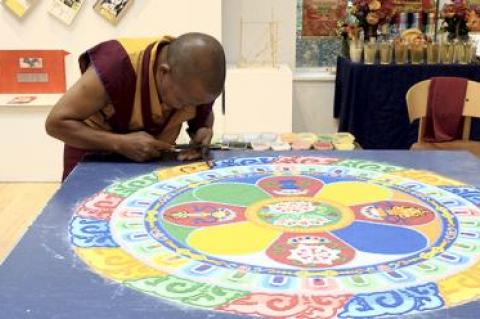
{"type": "Point", "coordinates": [290, 185]}
{"type": "Point", "coordinates": [320, 250]}
{"type": "Point", "coordinates": [394, 212]}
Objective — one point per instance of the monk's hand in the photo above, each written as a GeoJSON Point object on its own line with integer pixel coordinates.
{"type": "Point", "coordinates": [202, 138]}
{"type": "Point", "coordinates": [141, 146]}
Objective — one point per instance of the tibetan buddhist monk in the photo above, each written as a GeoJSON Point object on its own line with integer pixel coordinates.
{"type": "Point", "coordinates": [134, 95]}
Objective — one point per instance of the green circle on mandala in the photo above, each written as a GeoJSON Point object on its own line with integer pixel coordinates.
{"type": "Point", "coordinates": [300, 214]}
{"type": "Point", "coordinates": [308, 215]}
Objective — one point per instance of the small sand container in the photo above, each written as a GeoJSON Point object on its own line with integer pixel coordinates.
{"type": "Point", "coordinates": [280, 146]}
{"type": "Point", "coordinates": [230, 138]}
{"type": "Point", "coordinates": [233, 141]}
{"type": "Point", "coordinates": [325, 138]}
{"type": "Point", "coordinates": [307, 137]}
{"type": "Point", "coordinates": [250, 137]}
{"type": "Point", "coordinates": [343, 138]}
{"type": "Point", "coordinates": [260, 145]}
{"type": "Point", "coordinates": [238, 145]}
{"type": "Point", "coordinates": [301, 145]}
{"type": "Point", "coordinates": [323, 146]}
{"type": "Point", "coordinates": [288, 137]}
{"type": "Point", "coordinates": [268, 137]}
{"type": "Point", "coordinates": [344, 146]}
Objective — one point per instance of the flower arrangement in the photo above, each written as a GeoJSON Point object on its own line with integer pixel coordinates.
{"type": "Point", "coordinates": [458, 19]}
{"type": "Point", "coordinates": [473, 19]}
{"type": "Point", "coordinates": [347, 30]}
{"type": "Point", "coordinates": [372, 13]}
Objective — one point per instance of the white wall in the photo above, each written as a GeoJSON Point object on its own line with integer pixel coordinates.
{"type": "Point", "coordinates": [260, 10]}
{"type": "Point", "coordinates": [221, 18]}
{"type": "Point", "coordinates": [39, 30]}
{"type": "Point", "coordinates": [312, 99]}
{"type": "Point", "coordinates": [313, 96]}
{"type": "Point", "coordinates": [145, 18]}
{"type": "Point", "coordinates": [258, 100]}
{"type": "Point", "coordinates": [28, 154]}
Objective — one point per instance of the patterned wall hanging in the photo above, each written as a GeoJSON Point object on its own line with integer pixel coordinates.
{"type": "Point", "coordinates": [320, 16]}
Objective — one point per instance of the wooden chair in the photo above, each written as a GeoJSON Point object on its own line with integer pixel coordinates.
{"type": "Point", "coordinates": [417, 97]}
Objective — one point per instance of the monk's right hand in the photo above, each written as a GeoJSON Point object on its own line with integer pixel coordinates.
{"type": "Point", "coordinates": [141, 146]}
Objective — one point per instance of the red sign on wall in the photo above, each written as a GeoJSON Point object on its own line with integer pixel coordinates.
{"type": "Point", "coordinates": [32, 71]}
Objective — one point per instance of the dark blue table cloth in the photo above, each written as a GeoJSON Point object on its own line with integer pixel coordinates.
{"type": "Point", "coordinates": [370, 100]}
{"type": "Point", "coordinates": [43, 278]}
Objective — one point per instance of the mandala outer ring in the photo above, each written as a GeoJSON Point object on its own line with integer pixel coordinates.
{"type": "Point", "coordinates": [447, 292]}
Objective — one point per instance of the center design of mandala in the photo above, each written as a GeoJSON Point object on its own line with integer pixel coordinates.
{"type": "Point", "coordinates": [300, 214]}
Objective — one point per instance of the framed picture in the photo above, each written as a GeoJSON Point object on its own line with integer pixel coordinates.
{"type": "Point", "coordinates": [19, 7]}
{"type": "Point", "coordinates": [320, 17]}
{"type": "Point", "coordinates": [112, 10]}
{"type": "Point", "coordinates": [65, 10]}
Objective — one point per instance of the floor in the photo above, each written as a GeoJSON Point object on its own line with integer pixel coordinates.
{"type": "Point", "coordinates": [20, 204]}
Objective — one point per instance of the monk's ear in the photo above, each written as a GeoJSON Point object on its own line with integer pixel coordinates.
{"type": "Point", "coordinates": [164, 68]}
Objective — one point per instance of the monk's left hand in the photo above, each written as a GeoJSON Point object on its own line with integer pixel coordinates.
{"type": "Point", "coordinates": [202, 138]}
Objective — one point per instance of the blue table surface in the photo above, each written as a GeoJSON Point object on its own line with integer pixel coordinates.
{"type": "Point", "coordinates": [43, 279]}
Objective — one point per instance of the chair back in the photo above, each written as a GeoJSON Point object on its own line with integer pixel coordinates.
{"type": "Point", "coordinates": [417, 99]}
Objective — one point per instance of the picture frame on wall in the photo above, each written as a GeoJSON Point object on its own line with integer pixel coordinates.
{"type": "Point", "coordinates": [319, 17]}
{"type": "Point", "coordinates": [112, 10]}
{"type": "Point", "coordinates": [19, 7]}
{"type": "Point", "coordinates": [65, 10]}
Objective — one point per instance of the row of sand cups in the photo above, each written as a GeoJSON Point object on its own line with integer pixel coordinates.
{"type": "Point", "coordinates": [288, 141]}
{"type": "Point", "coordinates": [462, 52]}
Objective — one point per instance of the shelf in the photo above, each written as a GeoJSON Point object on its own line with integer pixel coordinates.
{"type": "Point", "coordinates": [41, 100]}
{"type": "Point", "coordinates": [312, 74]}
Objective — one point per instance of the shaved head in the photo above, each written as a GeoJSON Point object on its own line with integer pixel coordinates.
{"type": "Point", "coordinates": [197, 60]}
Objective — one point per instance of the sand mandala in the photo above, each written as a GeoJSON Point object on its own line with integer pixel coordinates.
{"type": "Point", "coordinates": [288, 237]}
